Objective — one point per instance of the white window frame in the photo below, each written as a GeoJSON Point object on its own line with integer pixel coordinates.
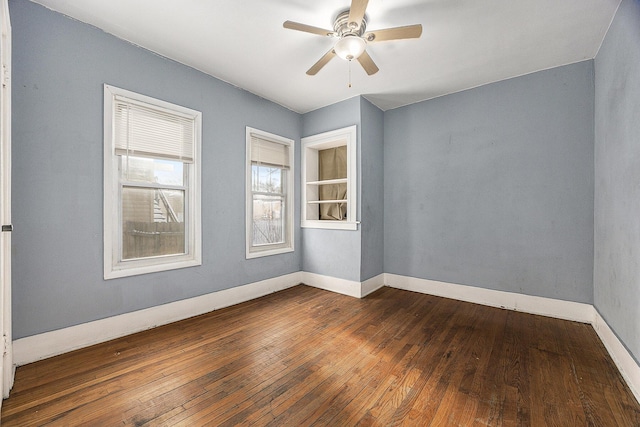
{"type": "Point", "coordinates": [309, 173]}
{"type": "Point", "coordinates": [114, 266]}
{"type": "Point", "coordinates": [276, 248]}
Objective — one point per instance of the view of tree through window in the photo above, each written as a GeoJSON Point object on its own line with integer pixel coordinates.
{"type": "Point", "coordinates": [269, 190]}
{"type": "Point", "coordinates": [268, 204]}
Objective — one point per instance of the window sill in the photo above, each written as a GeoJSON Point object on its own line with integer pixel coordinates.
{"type": "Point", "coordinates": [267, 252]}
{"type": "Point", "coordinates": [134, 270]}
{"type": "Point", "coordinates": [330, 225]}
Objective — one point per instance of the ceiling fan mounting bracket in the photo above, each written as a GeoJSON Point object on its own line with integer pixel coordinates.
{"type": "Point", "coordinates": [343, 27]}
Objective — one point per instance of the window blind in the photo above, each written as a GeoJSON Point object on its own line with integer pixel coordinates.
{"type": "Point", "coordinates": [269, 153]}
{"type": "Point", "coordinates": [141, 130]}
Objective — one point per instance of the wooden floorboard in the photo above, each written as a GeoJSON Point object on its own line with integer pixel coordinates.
{"type": "Point", "coordinates": [308, 357]}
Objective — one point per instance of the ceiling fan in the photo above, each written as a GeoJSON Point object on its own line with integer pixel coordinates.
{"type": "Point", "coordinates": [350, 30]}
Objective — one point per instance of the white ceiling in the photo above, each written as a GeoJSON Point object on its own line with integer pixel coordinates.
{"type": "Point", "coordinates": [464, 43]}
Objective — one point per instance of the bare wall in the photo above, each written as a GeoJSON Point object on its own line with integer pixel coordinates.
{"type": "Point", "coordinates": [617, 177]}
{"type": "Point", "coordinates": [334, 253]}
{"type": "Point", "coordinates": [493, 187]}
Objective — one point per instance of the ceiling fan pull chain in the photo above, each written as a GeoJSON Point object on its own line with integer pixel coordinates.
{"type": "Point", "coordinates": [349, 73]}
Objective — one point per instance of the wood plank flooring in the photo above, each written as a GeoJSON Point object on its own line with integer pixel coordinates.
{"type": "Point", "coordinates": [305, 356]}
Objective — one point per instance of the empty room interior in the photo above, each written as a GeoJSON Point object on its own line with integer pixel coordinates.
{"type": "Point", "coordinates": [344, 213]}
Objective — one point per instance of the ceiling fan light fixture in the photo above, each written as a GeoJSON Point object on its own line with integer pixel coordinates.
{"type": "Point", "coordinates": [350, 47]}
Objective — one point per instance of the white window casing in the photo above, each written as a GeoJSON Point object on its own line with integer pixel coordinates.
{"type": "Point", "coordinates": [311, 198]}
{"type": "Point", "coordinates": [269, 194]}
{"type": "Point", "coordinates": [142, 130]}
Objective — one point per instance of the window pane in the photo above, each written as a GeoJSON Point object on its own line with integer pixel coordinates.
{"type": "Point", "coordinates": [152, 222]}
{"type": "Point", "coordinates": [268, 220]}
{"type": "Point", "coordinates": [266, 179]}
{"type": "Point", "coordinates": [144, 169]}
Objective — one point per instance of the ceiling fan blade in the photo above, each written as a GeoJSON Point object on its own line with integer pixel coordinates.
{"type": "Point", "coordinates": [367, 63]}
{"type": "Point", "coordinates": [307, 28]}
{"type": "Point", "coordinates": [356, 13]}
{"type": "Point", "coordinates": [397, 33]}
{"type": "Point", "coordinates": [321, 63]}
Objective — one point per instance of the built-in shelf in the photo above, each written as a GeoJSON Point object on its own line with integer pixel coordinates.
{"type": "Point", "coordinates": [328, 181]}
{"type": "Point", "coordinates": [336, 213]}
{"type": "Point", "coordinates": [311, 202]}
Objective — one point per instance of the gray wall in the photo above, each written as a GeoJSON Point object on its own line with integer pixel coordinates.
{"type": "Point", "coordinates": [617, 177]}
{"type": "Point", "coordinates": [371, 190]}
{"type": "Point", "coordinates": [493, 187]}
{"type": "Point", "coordinates": [352, 255]}
{"type": "Point", "coordinates": [333, 253]}
{"type": "Point", "coordinates": [59, 67]}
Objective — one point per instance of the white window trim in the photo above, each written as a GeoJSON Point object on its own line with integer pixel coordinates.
{"type": "Point", "coordinates": [112, 239]}
{"type": "Point", "coordinates": [345, 136]}
{"type": "Point", "coordinates": [287, 246]}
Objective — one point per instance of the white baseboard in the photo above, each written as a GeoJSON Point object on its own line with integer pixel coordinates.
{"type": "Point", "coordinates": [333, 284]}
{"type": "Point", "coordinates": [566, 310]}
{"type": "Point", "coordinates": [343, 286]}
{"type": "Point", "coordinates": [628, 367]}
{"type": "Point", "coordinates": [41, 346]}
{"type": "Point", "coordinates": [369, 286]}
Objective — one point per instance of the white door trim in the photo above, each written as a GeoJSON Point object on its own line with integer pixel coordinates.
{"type": "Point", "coordinates": [6, 348]}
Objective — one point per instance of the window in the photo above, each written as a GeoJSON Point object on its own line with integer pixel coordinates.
{"type": "Point", "coordinates": [151, 185]}
{"type": "Point", "coordinates": [269, 206]}
{"type": "Point", "coordinates": [329, 191]}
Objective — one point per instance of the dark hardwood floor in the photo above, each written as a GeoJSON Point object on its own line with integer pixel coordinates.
{"type": "Point", "coordinates": [305, 356]}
